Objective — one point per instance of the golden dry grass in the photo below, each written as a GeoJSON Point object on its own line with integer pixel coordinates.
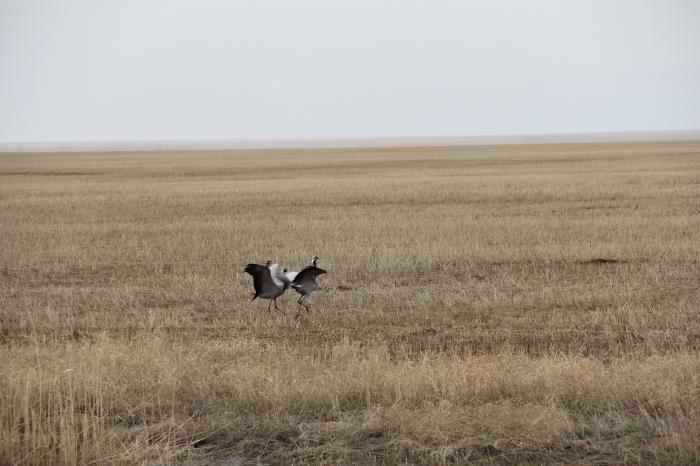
{"type": "Point", "coordinates": [464, 317]}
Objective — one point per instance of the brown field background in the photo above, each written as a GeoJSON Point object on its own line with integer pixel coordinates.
{"type": "Point", "coordinates": [465, 317]}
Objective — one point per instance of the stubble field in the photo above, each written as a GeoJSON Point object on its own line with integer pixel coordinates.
{"type": "Point", "coordinates": [487, 305]}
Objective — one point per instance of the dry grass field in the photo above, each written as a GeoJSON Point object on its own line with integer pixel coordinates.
{"type": "Point", "coordinates": [466, 316]}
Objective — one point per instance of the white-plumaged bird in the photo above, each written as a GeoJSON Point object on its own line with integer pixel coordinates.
{"type": "Point", "coordinates": [306, 282]}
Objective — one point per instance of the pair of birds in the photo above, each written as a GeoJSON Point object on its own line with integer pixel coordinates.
{"type": "Point", "coordinates": [270, 283]}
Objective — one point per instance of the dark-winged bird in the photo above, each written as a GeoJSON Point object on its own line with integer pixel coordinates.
{"type": "Point", "coordinates": [306, 282]}
{"type": "Point", "coordinates": [266, 283]}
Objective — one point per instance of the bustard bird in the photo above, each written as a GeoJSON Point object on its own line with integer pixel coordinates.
{"type": "Point", "coordinates": [288, 277]}
{"type": "Point", "coordinates": [306, 282]}
{"type": "Point", "coordinates": [266, 282]}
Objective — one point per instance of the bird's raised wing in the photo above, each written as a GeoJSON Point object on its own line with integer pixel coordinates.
{"type": "Point", "coordinates": [262, 279]}
{"type": "Point", "coordinates": [309, 273]}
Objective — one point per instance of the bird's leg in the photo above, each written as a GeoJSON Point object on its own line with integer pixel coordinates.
{"type": "Point", "coordinates": [268, 307]}
{"type": "Point", "coordinates": [302, 304]}
{"type": "Point", "coordinates": [278, 309]}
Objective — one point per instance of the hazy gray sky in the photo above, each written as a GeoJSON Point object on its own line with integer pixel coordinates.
{"type": "Point", "coordinates": [90, 70]}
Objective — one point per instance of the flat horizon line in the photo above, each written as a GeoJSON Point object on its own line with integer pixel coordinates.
{"type": "Point", "coordinates": [351, 142]}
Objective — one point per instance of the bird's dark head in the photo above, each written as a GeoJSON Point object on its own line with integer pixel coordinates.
{"type": "Point", "coordinates": [314, 260]}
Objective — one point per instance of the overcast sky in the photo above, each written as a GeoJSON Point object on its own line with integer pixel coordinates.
{"type": "Point", "coordinates": [86, 70]}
